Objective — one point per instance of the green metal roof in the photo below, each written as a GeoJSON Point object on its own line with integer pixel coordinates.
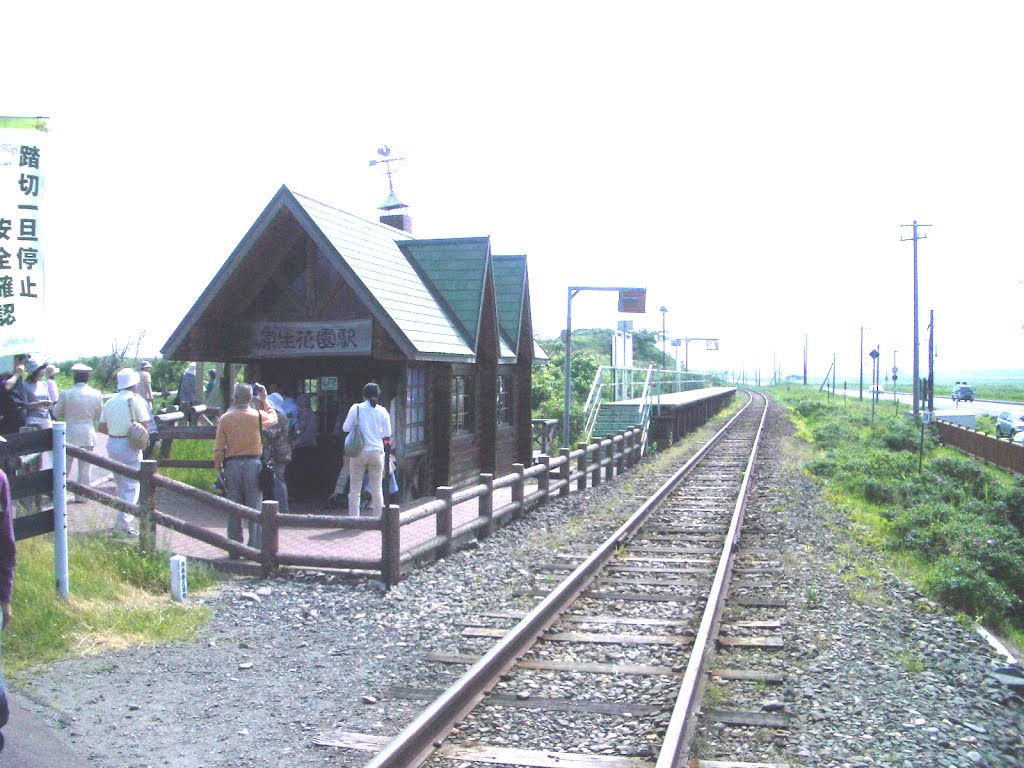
{"type": "Point", "coordinates": [456, 269]}
{"type": "Point", "coordinates": [371, 251]}
{"type": "Point", "coordinates": [509, 289]}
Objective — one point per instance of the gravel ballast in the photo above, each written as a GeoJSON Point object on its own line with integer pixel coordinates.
{"type": "Point", "coordinates": [876, 674]}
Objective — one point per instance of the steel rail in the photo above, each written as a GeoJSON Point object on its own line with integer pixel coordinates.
{"type": "Point", "coordinates": [681, 724]}
{"type": "Point", "coordinates": [422, 736]}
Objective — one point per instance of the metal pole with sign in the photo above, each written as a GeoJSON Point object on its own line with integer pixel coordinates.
{"type": "Point", "coordinates": [631, 300]}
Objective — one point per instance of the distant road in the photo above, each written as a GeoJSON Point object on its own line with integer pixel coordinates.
{"type": "Point", "coordinates": [977, 407]}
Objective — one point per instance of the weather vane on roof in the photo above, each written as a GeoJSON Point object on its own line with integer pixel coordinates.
{"type": "Point", "coordinates": [392, 203]}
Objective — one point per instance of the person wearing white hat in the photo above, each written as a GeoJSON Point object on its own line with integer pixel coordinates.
{"type": "Point", "coordinates": [117, 416]}
{"type": "Point", "coordinates": [37, 394]}
{"type": "Point", "coordinates": [80, 407]}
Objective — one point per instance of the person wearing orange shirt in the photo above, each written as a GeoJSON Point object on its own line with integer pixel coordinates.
{"type": "Point", "coordinates": [237, 449]}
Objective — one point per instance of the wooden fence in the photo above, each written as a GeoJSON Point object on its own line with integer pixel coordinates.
{"type": "Point", "coordinates": [555, 475]}
{"type": "Point", "coordinates": [999, 451]}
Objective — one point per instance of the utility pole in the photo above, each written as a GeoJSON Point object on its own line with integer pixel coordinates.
{"type": "Point", "coordinates": [931, 360]}
{"type": "Point", "coordinates": [805, 359]}
{"type": "Point", "coordinates": [917, 357]}
{"type": "Point", "coordinates": [862, 362]}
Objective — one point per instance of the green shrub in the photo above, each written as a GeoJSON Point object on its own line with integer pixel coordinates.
{"type": "Point", "coordinates": [877, 491]}
{"type": "Point", "coordinates": [964, 585]}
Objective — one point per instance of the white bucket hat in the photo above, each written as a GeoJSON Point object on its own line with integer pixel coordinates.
{"type": "Point", "coordinates": [127, 377]}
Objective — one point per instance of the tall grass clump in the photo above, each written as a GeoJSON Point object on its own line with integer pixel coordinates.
{"type": "Point", "coordinates": [119, 596]}
{"type": "Point", "coordinates": [959, 522]}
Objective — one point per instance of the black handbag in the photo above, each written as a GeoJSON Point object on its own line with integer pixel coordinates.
{"type": "Point", "coordinates": [266, 466]}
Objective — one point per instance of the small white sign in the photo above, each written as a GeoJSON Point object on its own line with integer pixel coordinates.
{"type": "Point", "coordinates": [926, 417]}
{"type": "Point", "coordinates": [179, 578]}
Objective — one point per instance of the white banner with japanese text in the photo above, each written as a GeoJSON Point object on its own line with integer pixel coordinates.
{"type": "Point", "coordinates": [22, 168]}
{"type": "Point", "coordinates": [299, 339]}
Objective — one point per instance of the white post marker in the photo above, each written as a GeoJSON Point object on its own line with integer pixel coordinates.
{"type": "Point", "coordinates": [926, 417]}
{"type": "Point", "coordinates": [60, 510]}
{"type": "Point", "coordinates": [179, 578]}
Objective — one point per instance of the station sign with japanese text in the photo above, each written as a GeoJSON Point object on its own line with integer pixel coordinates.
{"type": "Point", "coordinates": [303, 339]}
{"type": "Point", "coordinates": [22, 169]}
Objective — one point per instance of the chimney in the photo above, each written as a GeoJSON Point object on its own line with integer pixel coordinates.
{"type": "Point", "coordinates": [402, 221]}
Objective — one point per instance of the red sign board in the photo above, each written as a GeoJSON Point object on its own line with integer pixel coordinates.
{"type": "Point", "coordinates": [633, 300]}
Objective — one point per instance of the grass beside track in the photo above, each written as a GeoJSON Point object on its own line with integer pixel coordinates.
{"type": "Point", "coordinates": [955, 528]}
{"type": "Point", "coordinates": [119, 597]}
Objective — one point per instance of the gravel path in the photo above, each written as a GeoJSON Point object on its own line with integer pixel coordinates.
{"type": "Point", "coordinates": [877, 674]}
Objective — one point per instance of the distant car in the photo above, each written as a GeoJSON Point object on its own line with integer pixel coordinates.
{"type": "Point", "coordinates": [962, 391]}
{"type": "Point", "coordinates": [1009, 424]}
{"type": "Point", "coordinates": [876, 389]}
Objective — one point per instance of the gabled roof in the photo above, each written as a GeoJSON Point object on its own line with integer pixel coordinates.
{"type": "Point", "coordinates": [372, 251]}
{"type": "Point", "coordinates": [456, 271]}
{"type": "Point", "coordinates": [509, 294]}
{"type": "Point", "coordinates": [366, 255]}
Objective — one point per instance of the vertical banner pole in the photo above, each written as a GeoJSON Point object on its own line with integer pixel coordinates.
{"type": "Point", "coordinates": [60, 510]}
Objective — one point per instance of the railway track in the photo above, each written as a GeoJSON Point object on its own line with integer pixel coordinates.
{"type": "Point", "coordinates": [609, 668]}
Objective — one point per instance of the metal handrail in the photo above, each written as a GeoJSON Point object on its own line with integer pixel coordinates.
{"type": "Point", "coordinates": [597, 396]}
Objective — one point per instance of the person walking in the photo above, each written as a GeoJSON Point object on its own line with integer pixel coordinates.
{"type": "Point", "coordinates": [237, 448]}
{"type": "Point", "coordinates": [115, 419]}
{"type": "Point", "coordinates": [81, 407]}
{"type": "Point", "coordinates": [374, 424]}
{"type": "Point", "coordinates": [7, 562]}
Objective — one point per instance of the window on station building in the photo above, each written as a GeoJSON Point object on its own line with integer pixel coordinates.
{"type": "Point", "coordinates": [415, 406]}
{"type": "Point", "coordinates": [503, 412]}
{"type": "Point", "coordinates": [311, 387]}
{"type": "Point", "coordinates": [463, 406]}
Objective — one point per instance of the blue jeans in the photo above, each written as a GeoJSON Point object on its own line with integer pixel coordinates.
{"type": "Point", "coordinates": [242, 477]}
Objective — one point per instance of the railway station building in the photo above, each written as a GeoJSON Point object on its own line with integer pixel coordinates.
{"type": "Point", "coordinates": [315, 301]}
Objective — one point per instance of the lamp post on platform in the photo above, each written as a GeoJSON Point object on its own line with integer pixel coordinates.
{"type": "Point", "coordinates": [712, 344]}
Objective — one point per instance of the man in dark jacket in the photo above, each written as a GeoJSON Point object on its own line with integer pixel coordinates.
{"type": "Point", "coordinates": [13, 402]}
{"type": "Point", "coordinates": [7, 557]}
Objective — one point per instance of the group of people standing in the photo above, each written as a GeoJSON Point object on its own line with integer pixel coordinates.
{"type": "Point", "coordinates": [258, 426]}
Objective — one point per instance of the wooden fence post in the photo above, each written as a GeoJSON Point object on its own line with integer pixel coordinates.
{"type": "Point", "coordinates": [147, 503]}
{"type": "Point", "coordinates": [543, 480]}
{"type": "Point", "coordinates": [609, 470]}
{"type": "Point", "coordinates": [486, 507]}
{"type": "Point", "coordinates": [269, 537]}
{"type": "Point", "coordinates": [595, 476]}
{"type": "Point", "coordinates": [581, 467]}
{"type": "Point", "coordinates": [628, 441]}
{"type": "Point", "coordinates": [443, 521]}
{"type": "Point", "coordinates": [391, 545]}
{"type": "Point", "coordinates": [564, 472]}
{"type": "Point", "coordinates": [519, 489]}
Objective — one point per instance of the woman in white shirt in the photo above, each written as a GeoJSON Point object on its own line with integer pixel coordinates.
{"type": "Point", "coordinates": [374, 424]}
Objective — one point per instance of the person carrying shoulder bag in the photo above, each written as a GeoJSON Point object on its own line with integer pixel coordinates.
{"type": "Point", "coordinates": [374, 425]}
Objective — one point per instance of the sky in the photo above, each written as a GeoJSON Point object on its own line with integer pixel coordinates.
{"type": "Point", "coordinates": [749, 163]}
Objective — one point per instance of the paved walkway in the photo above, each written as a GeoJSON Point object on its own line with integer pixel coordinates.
{"type": "Point", "coordinates": [92, 516]}
{"type": "Point", "coordinates": [31, 743]}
